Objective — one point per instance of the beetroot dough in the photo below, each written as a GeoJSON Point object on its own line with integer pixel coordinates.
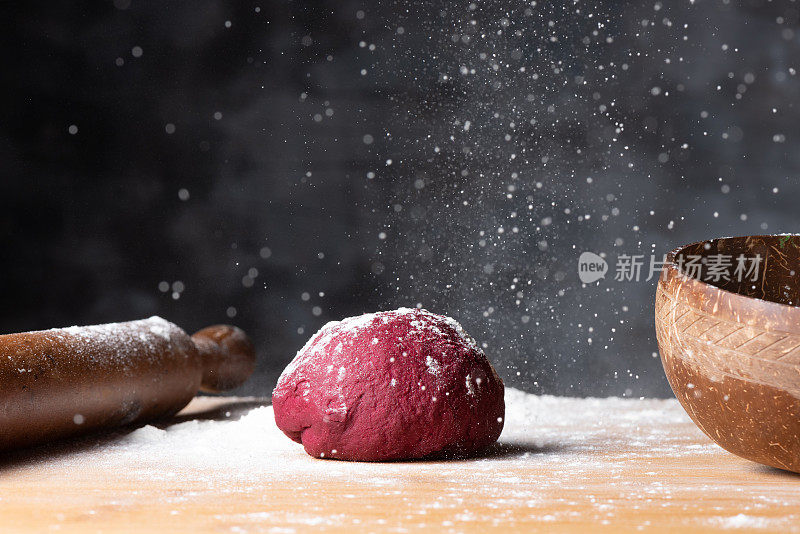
{"type": "Point", "coordinates": [390, 386]}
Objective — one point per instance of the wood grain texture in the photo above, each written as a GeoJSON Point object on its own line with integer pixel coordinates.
{"type": "Point", "coordinates": [556, 473]}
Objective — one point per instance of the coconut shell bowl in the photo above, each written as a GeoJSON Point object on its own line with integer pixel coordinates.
{"type": "Point", "coordinates": [729, 336]}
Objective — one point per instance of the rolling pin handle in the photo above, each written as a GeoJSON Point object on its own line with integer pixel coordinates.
{"type": "Point", "coordinates": [227, 355]}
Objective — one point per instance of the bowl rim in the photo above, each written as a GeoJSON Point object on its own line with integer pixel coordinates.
{"type": "Point", "coordinates": [723, 303]}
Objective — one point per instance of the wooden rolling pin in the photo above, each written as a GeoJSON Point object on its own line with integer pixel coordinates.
{"type": "Point", "coordinates": [68, 381]}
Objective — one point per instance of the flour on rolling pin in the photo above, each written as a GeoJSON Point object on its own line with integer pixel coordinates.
{"type": "Point", "coordinates": [67, 381]}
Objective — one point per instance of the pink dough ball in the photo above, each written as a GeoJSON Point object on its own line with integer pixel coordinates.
{"type": "Point", "coordinates": [390, 386]}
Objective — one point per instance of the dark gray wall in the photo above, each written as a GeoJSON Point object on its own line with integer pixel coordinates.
{"type": "Point", "coordinates": [520, 134]}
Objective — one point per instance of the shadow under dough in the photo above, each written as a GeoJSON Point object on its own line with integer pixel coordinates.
{"type": "Point", "coordinates": [499, 450]}
{"type": "Point", "coordinates": [494, 451]}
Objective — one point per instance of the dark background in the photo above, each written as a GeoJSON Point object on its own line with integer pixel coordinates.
{"type": "Point", "coordinates": [281, 164]}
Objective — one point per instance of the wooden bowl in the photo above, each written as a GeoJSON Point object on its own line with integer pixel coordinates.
{"type": "Point", "coordinates": [731, 348]}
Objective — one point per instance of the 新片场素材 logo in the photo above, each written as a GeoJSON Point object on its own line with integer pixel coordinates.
{"type": "Point", "coordinates": [714, 268]}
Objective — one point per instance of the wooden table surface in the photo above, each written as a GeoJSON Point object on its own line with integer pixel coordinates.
{"type": "Point", "coordinates": [563, 465]}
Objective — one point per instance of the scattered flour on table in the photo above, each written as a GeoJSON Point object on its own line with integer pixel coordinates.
{"type": "Point", "coordinates": [558, 459]}
{"type": "Point", "coordinates": [743, 521]}
{"type": "Point", "coordinates": [554, 429]}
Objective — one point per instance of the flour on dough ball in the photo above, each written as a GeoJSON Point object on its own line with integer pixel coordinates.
{"type": "Point", "coordinates": [388, 386]}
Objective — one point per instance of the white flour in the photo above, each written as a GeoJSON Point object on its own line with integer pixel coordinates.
{"type": "Point", "coordinates": [559, 458]}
